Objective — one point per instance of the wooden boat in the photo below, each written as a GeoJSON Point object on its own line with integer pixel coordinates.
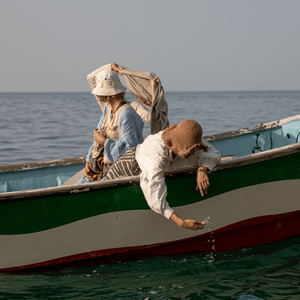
{"type": "Point", "coordinates": [253, 200]}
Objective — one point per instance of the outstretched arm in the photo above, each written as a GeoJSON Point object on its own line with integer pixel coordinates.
{"type": "Point", "coordinates": [155, 191]}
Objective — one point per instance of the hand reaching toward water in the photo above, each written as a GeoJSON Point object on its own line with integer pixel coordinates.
{"type": "Point", "coordinates": [187, 224]}
{"type": "Point", "coordinates": [193, 224]}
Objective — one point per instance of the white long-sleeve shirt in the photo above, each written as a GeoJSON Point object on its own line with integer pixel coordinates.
{"type": "Point", "coordinates": [154, 159]}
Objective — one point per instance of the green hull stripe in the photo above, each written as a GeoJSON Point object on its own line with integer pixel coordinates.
{"type": "Point", "coordinates": [35, 215]}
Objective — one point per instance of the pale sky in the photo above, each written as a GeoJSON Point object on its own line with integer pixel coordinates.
{"type": "Point", "coordinates": [193, 45]}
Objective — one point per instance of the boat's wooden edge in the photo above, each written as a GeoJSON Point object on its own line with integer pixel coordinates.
{"type": "Point", "coordinates": [242, 131]}
{"type": "Point", "coordinates": [69, 189]}
{"type": "Point", "coordinates": [233, 162]}
{"type": "Point", "coordinates": [43, 164]}
{"type": "Point", "coordinates": [259, 157]}
{"type": "Point", "coordinates": [87, 187]}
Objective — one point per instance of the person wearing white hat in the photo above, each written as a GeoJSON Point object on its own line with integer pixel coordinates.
{"type": "Point", "coordinates": [119, 129]}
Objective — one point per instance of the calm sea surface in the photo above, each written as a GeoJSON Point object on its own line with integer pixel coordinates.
{"type": "Point", "coordinates": [45, 126]}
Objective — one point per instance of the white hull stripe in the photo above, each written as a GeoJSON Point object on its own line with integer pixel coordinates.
{"type": "Point", "coordinates": [144, 227]}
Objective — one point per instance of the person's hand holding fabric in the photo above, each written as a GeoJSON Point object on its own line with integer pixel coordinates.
{"type": "Point", "coordinates": [115, 68]}
{"type": "Point", "coordinates": [99, 137]}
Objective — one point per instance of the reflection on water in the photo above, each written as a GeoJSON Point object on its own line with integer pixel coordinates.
{"type": "Point", "coordinates": [268, 272]}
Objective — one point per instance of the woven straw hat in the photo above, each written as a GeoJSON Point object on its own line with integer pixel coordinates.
{"type": "Point", "coordinates": [108, 84]}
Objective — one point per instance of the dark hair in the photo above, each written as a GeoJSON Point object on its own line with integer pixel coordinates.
{"type": "Point", "coordinates": [103, 98]}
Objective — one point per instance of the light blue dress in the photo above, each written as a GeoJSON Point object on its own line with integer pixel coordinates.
{"type": "Point", "coordinates": [131, 135]}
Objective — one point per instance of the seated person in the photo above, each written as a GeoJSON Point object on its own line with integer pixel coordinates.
{"type": "Point", "coordinates": [173, 148]}
{"type": "Point", "coordinates": [119, 129]}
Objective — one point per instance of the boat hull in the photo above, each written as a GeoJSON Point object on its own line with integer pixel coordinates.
{"type": "Point", "coordinates": [247, 206]}
{"type": "Point", "coordinates": [239, 235]}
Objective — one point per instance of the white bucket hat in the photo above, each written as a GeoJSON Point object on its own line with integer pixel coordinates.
{"type": "Point", "coordinates": [108, 84]}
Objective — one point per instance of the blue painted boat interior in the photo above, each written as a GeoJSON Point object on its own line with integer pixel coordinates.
{"type": "Point", "coordinates": [260, 140]}
{"type": "Point", "coordinates": [37, 178]}
{"type": "Point", "coordinates": [254, 142]}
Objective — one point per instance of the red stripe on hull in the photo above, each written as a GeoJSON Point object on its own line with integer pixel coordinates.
{"type": "Point", "coordinates": [248, 233]}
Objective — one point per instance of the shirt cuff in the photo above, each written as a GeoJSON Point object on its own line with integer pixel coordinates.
{"type": "Point", "coordinates": [209, 166]}
{"type": "Point", "coordinates": [168, 212]}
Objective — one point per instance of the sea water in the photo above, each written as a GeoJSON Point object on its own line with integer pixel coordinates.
{"type": "Point", "coordinates": [43, 126]}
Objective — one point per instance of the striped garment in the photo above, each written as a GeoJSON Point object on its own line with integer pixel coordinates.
{"type": "Point", "coordinates": [125, 166]}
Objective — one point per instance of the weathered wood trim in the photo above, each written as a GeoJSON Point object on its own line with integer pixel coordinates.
{"type": "Point", "coordinates": [43, 164]}
{"type": "Point", "coordinates": [135, 180]}
{"type": "Point", "coordinates": [69, 189]}
{"type": "Point", "coordinates": [259, 157]}
{"type": "Point", "coordinates": [242, 131]}
{"type": "Point", "coordinates": [86, 187]}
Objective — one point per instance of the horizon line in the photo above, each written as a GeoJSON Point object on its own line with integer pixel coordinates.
{"type": "Point", "coordinates": [194, 91]}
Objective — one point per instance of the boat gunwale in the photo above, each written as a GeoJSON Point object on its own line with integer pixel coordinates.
{"type": "Point", "coordinates": [233, 162]}
{"type": "Point", "coordinates": [244, 131]}
{"type": "Point", "coordinates": [43, 164]}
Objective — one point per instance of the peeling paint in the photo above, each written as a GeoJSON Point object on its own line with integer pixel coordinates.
{"type": "Point", "coordinates": [79, 191]}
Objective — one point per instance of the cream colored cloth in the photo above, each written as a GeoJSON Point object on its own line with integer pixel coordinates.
{"type": "Point", "coordinates": [155, 159]}
{"type": "Point", "coordinates": [138, 82]}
